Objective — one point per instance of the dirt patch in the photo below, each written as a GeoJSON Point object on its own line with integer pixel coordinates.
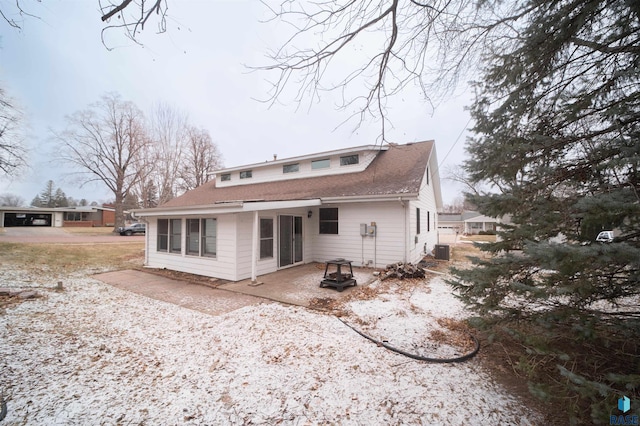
{"type": "Point", "coordinates": [16, 297]}
{"type": "Point", "coordinates": [500, 359]}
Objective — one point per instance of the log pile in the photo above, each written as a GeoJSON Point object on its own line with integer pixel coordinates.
{"type": "Point", "coordinates": [401, 271]}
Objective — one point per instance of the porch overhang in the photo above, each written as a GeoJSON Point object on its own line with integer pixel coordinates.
{"type": "Point", "coordinates": [226, 208]}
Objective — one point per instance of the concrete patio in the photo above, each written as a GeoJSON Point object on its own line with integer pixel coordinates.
{"type": "Point", "coordinates": [298, 285]}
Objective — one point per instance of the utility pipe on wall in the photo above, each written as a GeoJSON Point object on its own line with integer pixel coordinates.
{"type": "Point", "coordinates": [254, 248]}
{"type": "Point", "coordinates": [404, 216]}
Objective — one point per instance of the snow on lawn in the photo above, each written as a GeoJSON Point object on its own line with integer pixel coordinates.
{"type": "Point", "coordinates": [407, 320]}
{"type": "Point", "coordinates": [94, 354]}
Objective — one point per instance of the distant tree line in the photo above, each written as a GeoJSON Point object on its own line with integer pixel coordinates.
{"type": "Point", "coordinates": [50, 197]}
{"type": "Point", "coordinates": [143, 160]}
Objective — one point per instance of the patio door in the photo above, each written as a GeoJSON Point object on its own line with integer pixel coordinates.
{"type": "Point", "coordinates": [290, 240]}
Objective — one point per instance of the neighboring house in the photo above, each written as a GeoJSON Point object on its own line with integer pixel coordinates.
{"type": "Point", "coordinates": [57, 216]}
{"type": "Point", "coordinates": [369, 204]}
{"type": "Point", "coordinates": [468, 222]}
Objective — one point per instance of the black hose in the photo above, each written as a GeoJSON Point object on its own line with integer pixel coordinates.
{"type": "Point", "coordinates": [464, 357]}
{"type": "Point", "coordinates": [3, 408]}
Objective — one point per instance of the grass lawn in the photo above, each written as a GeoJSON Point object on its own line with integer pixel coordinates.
{"type": "Point", "coordinates": [102, 230]}
{"type": "Point", "coordinates": [479, 238]}
{"type": "Point", "coordinates": [67, 258]}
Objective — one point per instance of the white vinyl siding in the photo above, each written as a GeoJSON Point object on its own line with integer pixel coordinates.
{"type": "Point", "coordinates": [387, 247]}
{"type": "Point", "coordinates": [268, 172]}
{"type": "Point", "coordinates": [222, 266]}
{"type": "Point", "coordinates": [429, 220]}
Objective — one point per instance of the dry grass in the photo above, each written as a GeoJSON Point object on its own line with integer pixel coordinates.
{"type": "Point", "coordinates": [62, 258]}
{"type": "Point", "coordinates": [102, 230]}
{"type": "Point", "coordinates": [460, 254]}
{"type": "Point", "coordinates": [479, 238]}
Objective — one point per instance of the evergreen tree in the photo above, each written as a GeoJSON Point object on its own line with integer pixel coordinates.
{"type": "Point", "coordinates": [36, 202]}
{"type": "Point", "coordinates": [130, 202]}
{"type": "Point", "coordinates": [60, 199]}
{"type": "Point", "coordinates": [150, 195]}
{"type": "Point", "coordinates": [47, 196]}
{"type": "Point", "coordinates": [558, 136]}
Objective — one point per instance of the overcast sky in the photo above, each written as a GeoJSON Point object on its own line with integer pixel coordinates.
{"type": "Point", "coordinates": [58, 65]}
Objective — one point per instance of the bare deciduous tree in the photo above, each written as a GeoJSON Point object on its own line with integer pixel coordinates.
{"type": "Point", "coordinates": [201, 158]}
{"type": "Point", "coordinates": [14, 15]}
{"type": "Point", "coordinates": [104, 141]}
{"type": "Point", "coordinates": [132, 16]}
{"type": "Point", "coordinates": [11, 200]}
{"type": "Point", "coordinates": [169, 135]}
{"type": "Point", "coordinates": [459, 175]}
{"type": "Point", "coordinates": [392, 46]}
{"type": "Point", "coordinates": [12, 151]}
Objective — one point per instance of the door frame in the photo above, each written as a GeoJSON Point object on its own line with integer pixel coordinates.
{"type": "Point", "coordinates": [294, 243]}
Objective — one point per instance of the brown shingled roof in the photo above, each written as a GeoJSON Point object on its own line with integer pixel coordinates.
{"type": "Point", "coordinates": [398, 170]}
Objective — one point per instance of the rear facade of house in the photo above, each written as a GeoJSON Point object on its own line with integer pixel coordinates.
{"type": "Point", "coordinates": [372, 205]}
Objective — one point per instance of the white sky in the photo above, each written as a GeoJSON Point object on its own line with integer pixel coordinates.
{"type": "Point", "coordinates": [58, 65]}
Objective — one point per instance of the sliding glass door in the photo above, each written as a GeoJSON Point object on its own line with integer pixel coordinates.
{"type": "Point", "coordinates": [290, 240]}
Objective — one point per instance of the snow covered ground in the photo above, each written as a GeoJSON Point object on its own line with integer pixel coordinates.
{"type": "Point", "coordinates": [93, 354]}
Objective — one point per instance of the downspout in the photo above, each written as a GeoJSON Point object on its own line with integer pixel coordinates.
{"type": "Point", "coordinates": [146, 237]}
{"type": "Point", "coordinates": [375, 248]}
{"type": "Point", "coordinates": [254, 249]}
{"type": "Point", "coordinates": [404, 217]}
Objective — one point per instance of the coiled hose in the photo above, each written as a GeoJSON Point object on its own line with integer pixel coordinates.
{"type": "Point", "coordinates": [464, 357]}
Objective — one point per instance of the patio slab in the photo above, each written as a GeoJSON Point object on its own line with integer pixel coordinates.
{"type": "Point", "coordinates": [193, 296]}
{"type": "Point", "coordinates": [298, 285]}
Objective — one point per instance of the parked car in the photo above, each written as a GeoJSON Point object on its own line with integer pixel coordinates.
{"type": "Point", "coordinates": [605, 237]}
{"type": "Point", "coordinates": [136, 228]}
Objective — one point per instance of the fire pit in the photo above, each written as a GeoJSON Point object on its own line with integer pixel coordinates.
{"type": "Point", "coordinates": [338, 279]}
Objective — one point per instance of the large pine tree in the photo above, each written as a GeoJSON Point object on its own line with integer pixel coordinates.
{"type": "Point", "coordinates": [557, 116]}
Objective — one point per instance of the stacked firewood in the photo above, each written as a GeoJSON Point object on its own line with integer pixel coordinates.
{"type": "Point", "coordinates": [401, 271]}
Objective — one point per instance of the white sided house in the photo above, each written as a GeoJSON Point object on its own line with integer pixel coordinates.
{"type": "Point", "coordinates": [372, 205]}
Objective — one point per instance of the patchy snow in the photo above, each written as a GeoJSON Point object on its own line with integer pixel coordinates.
{"type": "Point", "coordinates": [408, 322]}
{"type": "Point", "coordinates": [95, 354]}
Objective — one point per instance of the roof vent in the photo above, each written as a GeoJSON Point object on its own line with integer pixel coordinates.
{"type": "Point", "coordinates": [275, 157]}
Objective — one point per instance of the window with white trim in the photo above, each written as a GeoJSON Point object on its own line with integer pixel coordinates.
{"type": "Point", "coordinates": [209, 237]}
{"type": "Point", "coordinates": [175, 236]}
{"type": "Point", "coordinates": [320, 164]}
{"type": "Point", "coordinates": [348, 160]}
{"type": "Point", "coordinates": [266, 238]}
{"type": "Point", "coordinates": [291, 168]}
{"type": "Point", "coordinates": [328, 221]}
{"type": "Point", "coordinates": [163, 235]}
{"type": "Point", "coordinates": [193, 237]}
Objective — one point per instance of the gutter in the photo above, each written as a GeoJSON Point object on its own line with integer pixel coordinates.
{"type": "Point", "coordinates": [373, 198]}
{"type": "Point", "coordinates": [189, 210]}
